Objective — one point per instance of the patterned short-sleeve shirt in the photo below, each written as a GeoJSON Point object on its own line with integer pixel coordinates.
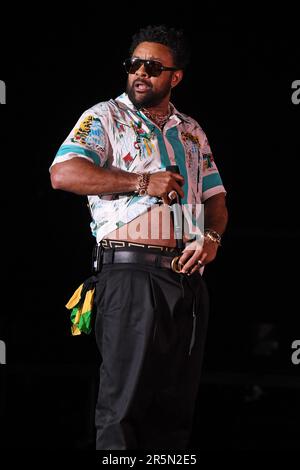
{"type": "Point", "coordinates": [116, 134]}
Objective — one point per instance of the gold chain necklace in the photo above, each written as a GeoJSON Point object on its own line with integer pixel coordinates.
{"type": "Point", "coordinates": [159, 119]}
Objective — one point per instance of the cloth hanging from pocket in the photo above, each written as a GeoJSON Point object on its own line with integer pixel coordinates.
{"type": "Point", "coordinates": [81, 305]}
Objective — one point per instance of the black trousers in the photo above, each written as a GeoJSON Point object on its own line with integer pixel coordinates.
{"type": "Point", "coordinates": [150, 330]}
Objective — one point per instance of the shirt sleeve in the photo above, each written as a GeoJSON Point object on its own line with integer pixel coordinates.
{"type": "Point", "coordinates": [88, 139]}
{"type": "Point", "coordinates": [211, 181]}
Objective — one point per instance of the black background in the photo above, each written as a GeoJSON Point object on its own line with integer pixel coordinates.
{"type": "Point", "coordinates": [238, 87]}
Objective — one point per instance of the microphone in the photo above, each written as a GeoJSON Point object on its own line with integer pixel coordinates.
{"type": "Point", "coordinates": [174, 169]}
{"type": "Point", "coordinates": [177, 212]}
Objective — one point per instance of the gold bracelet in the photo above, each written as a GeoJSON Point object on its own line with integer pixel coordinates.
{"type": "Point", "coordinates": [142, 184]}
{"type": "Point", "coordinates": [213, 236]}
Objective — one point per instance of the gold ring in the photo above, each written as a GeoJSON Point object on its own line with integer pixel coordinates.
{"type": "Point", "coordinates": [175, 264]}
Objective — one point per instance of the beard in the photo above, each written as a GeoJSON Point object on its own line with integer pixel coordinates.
{"type": "Point", "coordinates": [148, 99]}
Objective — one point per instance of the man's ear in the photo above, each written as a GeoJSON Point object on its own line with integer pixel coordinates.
{"type": "Point", "coordinates": [176, 77]}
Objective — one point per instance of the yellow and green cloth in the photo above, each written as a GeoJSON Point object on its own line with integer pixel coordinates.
{"type": "Point", "coordinates": [81, 305]}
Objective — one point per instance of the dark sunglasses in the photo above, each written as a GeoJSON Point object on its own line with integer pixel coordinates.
{"type": "Point", "coordinates": [153, 68]}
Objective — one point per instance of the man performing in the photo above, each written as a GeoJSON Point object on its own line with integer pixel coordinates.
{"type": "Point", "coordinates": [134, 157]}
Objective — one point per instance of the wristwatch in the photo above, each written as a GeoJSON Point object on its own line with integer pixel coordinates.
{"type": "Point", "coordinates": [142, 184]}
{"type": "Point", "coordinates": [212, 235]}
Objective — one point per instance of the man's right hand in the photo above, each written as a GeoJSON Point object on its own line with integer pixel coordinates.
{"type": "Point", "coordinates": [81, 176]}
{"type": "Point", "coordinates": [162, 182]}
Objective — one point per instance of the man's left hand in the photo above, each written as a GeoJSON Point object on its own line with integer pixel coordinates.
{"type": "Point", "coordinates": [196, 255]}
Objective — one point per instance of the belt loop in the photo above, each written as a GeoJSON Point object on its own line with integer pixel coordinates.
{"type": "Point", "coordinates": [157, 262]}
{"type": "Point", "coordinates": [109, 255]}
{"type": "Point", "coordinates": [113, 254]}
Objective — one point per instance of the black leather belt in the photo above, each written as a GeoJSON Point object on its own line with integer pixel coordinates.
{"type": "Point", "coordinates": [129, 256]}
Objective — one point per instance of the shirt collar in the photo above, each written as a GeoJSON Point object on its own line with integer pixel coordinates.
{"type": "Point", "coordinates": [124, 102]}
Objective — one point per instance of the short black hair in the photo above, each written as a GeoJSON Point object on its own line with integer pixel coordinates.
{"type": "Point", "coordinates": [174, 39]}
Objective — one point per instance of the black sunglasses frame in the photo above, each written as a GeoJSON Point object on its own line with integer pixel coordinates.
{"type": "Point", "coordinates": [153, 67]}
